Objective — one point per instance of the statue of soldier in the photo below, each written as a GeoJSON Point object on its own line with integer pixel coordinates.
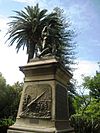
{"type": "Point", "coordinates": [48, 46]}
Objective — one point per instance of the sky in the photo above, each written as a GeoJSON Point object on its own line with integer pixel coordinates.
{"type": "Point", "coordinates": [85, 18]}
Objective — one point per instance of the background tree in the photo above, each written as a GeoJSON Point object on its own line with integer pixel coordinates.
{"type": "Point", "coordinates": [93, 85]}
{"type": "Point", "coordinates": [71, 96]}
{"type": "Point", "coordinates": [60, 37]}
{"type": "Point", "coordinates": [66, 47]}
{"type": "Point", "coordinates": [26, 29]}
{"type": "Point", "coordinates": [87, 117]}
{"type": "Point", "coordinates": [9, 102]}
{"type": "Point", "coordinates": [9, 98]}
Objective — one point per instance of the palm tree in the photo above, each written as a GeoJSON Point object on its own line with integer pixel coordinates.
{"type": "Point", "coordinates": [26, 29]}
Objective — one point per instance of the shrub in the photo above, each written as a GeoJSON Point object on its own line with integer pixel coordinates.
{"type": "Point", "coordinates": [4, 124]}
{"type": "Point", "coordinates": [82, 124]}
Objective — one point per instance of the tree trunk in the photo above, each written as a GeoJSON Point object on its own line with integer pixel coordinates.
{"type": "Point", "coordinates": [31, 51]}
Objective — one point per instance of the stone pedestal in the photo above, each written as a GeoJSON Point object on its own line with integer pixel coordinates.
{"type": "Point", "coordinates": [43, 107]}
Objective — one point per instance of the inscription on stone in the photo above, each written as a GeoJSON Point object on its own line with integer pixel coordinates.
{"type": "Point", "coordinates": [61, 102]}
{"type": "Point", "coordinates": [37, 101]}
{"type": "Point", "coordinates": [36, 121]}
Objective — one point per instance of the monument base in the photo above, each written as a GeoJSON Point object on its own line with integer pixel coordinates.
{"type": "Point", "coordinates": [40, 126]}
{"type": "Point", "coordinates": [38, 130]}
{"type": "Point", "coordinates": [44, 102]}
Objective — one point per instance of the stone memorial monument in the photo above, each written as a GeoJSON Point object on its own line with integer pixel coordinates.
{"type": "Point", "coordinates": [43, 106]}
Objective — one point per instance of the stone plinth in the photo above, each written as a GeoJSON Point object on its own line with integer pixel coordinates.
{"type": "Point", "coordinates": [43, 106]}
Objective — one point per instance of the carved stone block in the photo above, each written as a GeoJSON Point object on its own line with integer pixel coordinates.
{"type": "Point", "coordinates": [37, 101]}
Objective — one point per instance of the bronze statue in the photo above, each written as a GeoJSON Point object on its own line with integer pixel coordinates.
{"type": "Point", "coordinates": [48, 45]}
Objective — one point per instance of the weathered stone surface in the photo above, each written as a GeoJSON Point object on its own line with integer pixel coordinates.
{"type": "Point", "coordinates": [37, 101]}
{"type": "Point", "coordinates": [43, 106]}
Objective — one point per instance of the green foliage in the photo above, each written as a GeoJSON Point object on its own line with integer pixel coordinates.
{"type": "Point", "coordinates": [87, 117]}
{"type": "Point", "coordinates": [66, 39]}
{"type": "Point", "coordinates": [6, 122]}
{"type": "Point", "coordinates": [71, 96]}
{"type": "Point", "coordinates": [77, 103]}
{"type": "Point", "coordinates": [26, 29]}
{"type": "Point", "coordinates": [81, 102]}
{"type": "Point", "coordinates": [71, 107]}
{"type": "Point", "coordinates": [90, 110]}
{"type": "Point", "coordinates": [9, 98]}
{"type": "Point", "coordinates": [93, 110]}
{"type": "Point", "coordinates": [82, 124]}
{"type": "Point", "coordinates": [93, 84]}
{"type": "Point", "coordinates": [9, 102]}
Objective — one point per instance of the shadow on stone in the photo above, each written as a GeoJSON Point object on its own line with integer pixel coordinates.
{"type": "Point", "coordinates": [43, 106]}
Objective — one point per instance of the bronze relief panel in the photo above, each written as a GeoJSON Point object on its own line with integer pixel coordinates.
{"type": "Point", "coordinates": [37, 101]}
